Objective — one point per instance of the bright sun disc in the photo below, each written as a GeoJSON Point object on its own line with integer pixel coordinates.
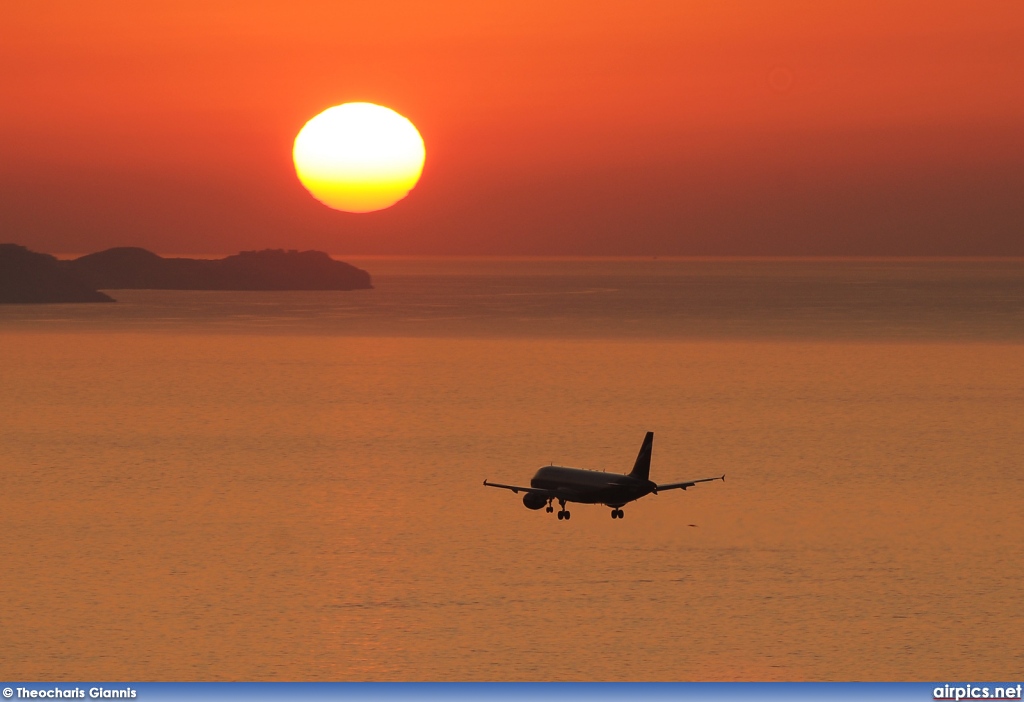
{"type": "Point", "coordinates": [358, 157]}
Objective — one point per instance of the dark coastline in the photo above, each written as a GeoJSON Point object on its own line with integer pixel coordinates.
{"type": "Point", "coordinates": [30, 277]}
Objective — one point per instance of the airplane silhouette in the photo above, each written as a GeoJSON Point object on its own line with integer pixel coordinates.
{"type": "Point", "coordinates": [595, 487]}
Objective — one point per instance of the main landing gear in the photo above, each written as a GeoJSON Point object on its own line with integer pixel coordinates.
{"type": "Point", "coordinates": [563, 513]}
{"type": "Point", "coordinates": [618, 513]}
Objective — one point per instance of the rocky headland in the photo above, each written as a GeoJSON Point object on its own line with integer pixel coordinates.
{"type": "Point", "coordinates": [27, 277]}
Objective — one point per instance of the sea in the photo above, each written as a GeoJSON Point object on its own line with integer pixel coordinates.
{"type": "Point", "coordinates": [289, 485]}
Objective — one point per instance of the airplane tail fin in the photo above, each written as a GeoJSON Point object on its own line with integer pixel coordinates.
{"type": "Point", "coordinates": [642, 467]}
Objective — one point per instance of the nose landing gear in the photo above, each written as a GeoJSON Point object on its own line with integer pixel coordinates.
{"type": "Point", "coordinates": [618, 514]}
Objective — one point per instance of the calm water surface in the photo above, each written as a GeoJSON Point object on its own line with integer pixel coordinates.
{"type": "Point", "coordinates": [288, 485]}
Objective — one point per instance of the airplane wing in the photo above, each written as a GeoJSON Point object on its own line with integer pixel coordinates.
{"type": "Point", "coordinates": [689, 483]}
{"type": "Point", "coordinates": [516, 489]}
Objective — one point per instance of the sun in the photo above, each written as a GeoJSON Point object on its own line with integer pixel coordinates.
{"type": "Point", "coordinates": [358, 157]}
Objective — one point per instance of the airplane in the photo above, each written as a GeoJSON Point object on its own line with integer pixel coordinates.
{"type": "Point", "coordinates": [594, 487]}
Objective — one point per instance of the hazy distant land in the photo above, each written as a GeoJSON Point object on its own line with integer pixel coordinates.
{"type": "Point", "coordinates": [30, 277]}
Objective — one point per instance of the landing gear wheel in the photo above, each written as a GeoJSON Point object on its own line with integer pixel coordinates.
{"type": "Point", "coordinates": [561, 515]}
{"type": "Point", "coordinates": [567, 515]}
{"type": "Point", "coordinates": [621, 513]}
{"type": "Point", "coordinates": [615, 514]}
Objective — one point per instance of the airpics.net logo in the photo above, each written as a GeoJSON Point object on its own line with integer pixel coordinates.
{"type": "Point", "coordinates": [970, 691]}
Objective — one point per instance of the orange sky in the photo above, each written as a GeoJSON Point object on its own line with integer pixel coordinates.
{"type": "Point", "coordinates": [647, 127]}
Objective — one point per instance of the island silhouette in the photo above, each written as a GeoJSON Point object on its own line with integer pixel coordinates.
{"type": "Point", "coordinates": [27, 276]}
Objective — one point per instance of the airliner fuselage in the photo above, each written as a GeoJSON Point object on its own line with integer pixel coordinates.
{"type": "Point", "coordinates": [593, 487]}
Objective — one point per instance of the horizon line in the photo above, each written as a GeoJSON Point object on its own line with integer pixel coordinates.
{"type": "Point", "coordinates": [598, 258]}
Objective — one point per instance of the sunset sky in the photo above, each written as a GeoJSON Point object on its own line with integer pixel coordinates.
{"type": "Point", "coordinates": [650, 127]}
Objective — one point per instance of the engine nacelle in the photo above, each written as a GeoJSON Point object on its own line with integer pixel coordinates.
{"type": "Point", "coordinates": [534, 500]}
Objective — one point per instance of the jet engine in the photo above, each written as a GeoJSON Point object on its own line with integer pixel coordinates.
{"type": "Point", "coordinates": [534, 500]}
